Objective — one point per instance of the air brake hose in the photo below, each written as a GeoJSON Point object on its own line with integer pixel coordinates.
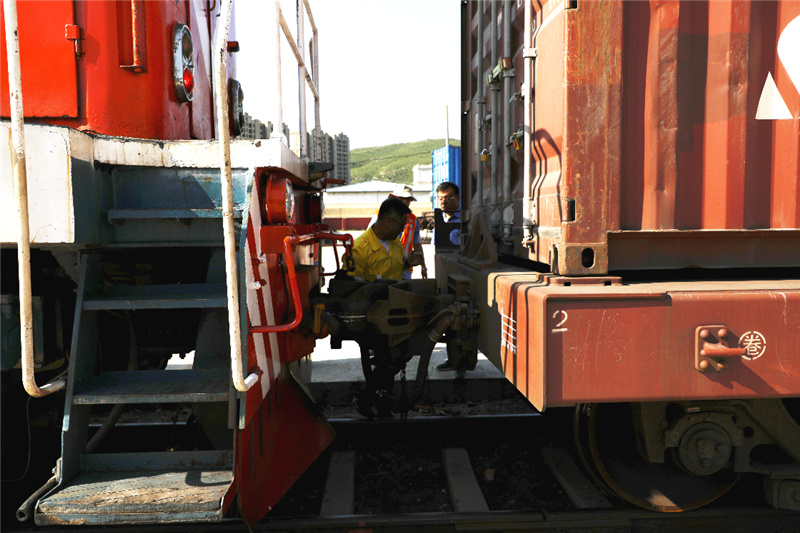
{"type": "Point", "coordinates": [24, 511]}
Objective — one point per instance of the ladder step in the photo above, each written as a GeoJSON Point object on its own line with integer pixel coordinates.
{"type": "Point", "coordinates": [116, 216]}
{"type": "Point", "coordinates": [154, 386]}
{"type": "Point", "coordinates": [187, 296]}
{"type": "Point", "coordinates": [140, 488]}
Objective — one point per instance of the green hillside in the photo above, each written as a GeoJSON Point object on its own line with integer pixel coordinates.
{"type": "Point", "coordinates": [393, 162]}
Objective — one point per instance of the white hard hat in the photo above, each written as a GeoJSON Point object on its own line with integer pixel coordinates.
{"type": "Point", "coordinates": [403, 191]}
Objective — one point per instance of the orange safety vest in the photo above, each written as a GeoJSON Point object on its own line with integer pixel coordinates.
{"type": "Point", "coordinates": [407, 237]}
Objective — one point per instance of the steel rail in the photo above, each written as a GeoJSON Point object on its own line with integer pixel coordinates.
{"type": "Point", "coordinates": [20, 178]}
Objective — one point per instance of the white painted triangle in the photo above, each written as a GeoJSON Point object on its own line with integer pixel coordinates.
{"type": "Point", "coordinates": [771, 105]}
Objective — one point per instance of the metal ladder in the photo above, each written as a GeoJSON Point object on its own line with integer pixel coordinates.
{"type": "Point", "coordinates": [144, 486]}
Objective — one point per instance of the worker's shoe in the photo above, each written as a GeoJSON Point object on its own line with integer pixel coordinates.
{"type": "Point", "coordinates": [384, 404]}
{"type": "Point", "coordinates": [363, 406]}
{"type": "Point", "coordinates": [461, 374]}
{"type": "Point", "coordinates": [447, 365]}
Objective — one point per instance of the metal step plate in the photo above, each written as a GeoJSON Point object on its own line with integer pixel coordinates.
{"type": "Point", "coordinates": [142, 489]}
{"type": "Point", "coordinates": [154, 386]}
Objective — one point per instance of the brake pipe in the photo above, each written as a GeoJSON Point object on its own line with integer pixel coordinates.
{"type": "Point", "coordinates": [347, 239]}
{"type": "Point", "coordinates": [21, 194]}
{"type": "Point", "coordinates": [289, 244]}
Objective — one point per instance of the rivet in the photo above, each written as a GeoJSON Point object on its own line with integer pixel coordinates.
{"type": "Point", "coordinates": [722, 332]}
{"type": "Point", "coordinates": [703, 365]}
{"type": "Point", "coordinates": [703, 333]}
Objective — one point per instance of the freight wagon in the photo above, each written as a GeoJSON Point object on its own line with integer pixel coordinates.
{"type": "Point", "coordinates": [631, 212]}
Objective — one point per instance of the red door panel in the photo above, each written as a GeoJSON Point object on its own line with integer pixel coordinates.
{"type": "Point", "coordinates": [47, 60]}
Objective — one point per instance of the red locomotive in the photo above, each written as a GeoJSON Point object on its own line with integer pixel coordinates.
{"type": "Point", "coordinates": [632, 231]}
{"type": "Point", "coordinates": [135, 231]}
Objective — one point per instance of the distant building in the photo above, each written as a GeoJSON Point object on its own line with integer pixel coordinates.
{"type": "Point", "coordinates": [255, 129]}
{"type": "Point", "coordinates": [341, 157]}
{"type": "Point", "coordinates": [423, 177]}
{"type": "Point", "coordinates": [334, 149]}
{"type": "Point", "coordinates": [350, 207]}
{"type": "Point", "coordinates": [327, 148]}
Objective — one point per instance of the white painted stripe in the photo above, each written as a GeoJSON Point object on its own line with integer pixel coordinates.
{"type": "Point", "coordinates": [255, 318]}
{"type": "Point", "coordinates": [255, 226]}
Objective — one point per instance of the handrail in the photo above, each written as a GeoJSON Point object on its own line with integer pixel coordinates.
{"type": "Point", "coordinates": [347, 257]}
{"type": "Point", "coordinates": [21, 194]}
{"type": "Point", "coordinates": [241, 383]}
{"type": "Point", "coordinates": [138, 41]}
{"type": "Point", "coordinates": [311, 75]}
{"type": "Point", "coordinates": [300, 63]}
{"type": "Point", "coordinates": [288, 252]}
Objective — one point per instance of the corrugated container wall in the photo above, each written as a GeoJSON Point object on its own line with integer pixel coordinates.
{"type": "Point", "coordinates": [446, 166]}
{"type": "Point", "coordinates": [639, 135]}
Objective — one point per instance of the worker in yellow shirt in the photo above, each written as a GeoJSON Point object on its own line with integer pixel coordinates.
{"type": "Point", "coordinates": [377, 253]}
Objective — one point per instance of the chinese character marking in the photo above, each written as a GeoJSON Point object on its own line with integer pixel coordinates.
{"type": "Point", "coordinates": [755, 343]}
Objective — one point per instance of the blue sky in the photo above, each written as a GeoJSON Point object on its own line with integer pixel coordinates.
{"type": "Point", "coordinates": [388, 68]}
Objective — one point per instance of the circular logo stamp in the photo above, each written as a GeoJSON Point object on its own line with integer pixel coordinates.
{"type": "Point", "coordinates": [755, 343]}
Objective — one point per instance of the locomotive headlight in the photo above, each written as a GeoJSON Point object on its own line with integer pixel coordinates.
{"type": "Point", "coordinates": [279, 201]}
{"type": "Point", "coordinates": [289, 201]}
{"type": "Point", "coordinates": [183, 62]}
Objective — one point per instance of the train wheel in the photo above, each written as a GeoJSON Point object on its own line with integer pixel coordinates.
{"type": "Point", "coordinates": [606, 442]}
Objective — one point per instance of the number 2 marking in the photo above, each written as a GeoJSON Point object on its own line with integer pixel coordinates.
{"type": "Point", "coordinates": [558, 328]}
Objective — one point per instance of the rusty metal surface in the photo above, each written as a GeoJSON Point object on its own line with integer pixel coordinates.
{"type": "Point", "coordinates": [573, 340]}
{"type": "Point", "coordinates": [643, 127]}
{"type": "Point", "coordinates": [138, 497]}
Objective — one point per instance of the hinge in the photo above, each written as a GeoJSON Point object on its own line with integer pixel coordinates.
{"type": "Point", "coordinates": [529, 52]}
{"type": "Point", "coordinates": [73, 33]}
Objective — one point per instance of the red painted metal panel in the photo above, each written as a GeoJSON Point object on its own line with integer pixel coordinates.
{"type": "Point", "coordinates": [114, 91]}
{"type": "Point", "coordinates": [47, 60]}
{"type": "Point", "coordinates": [562, 345]}
{"type": "Point", "coordinates": [277, 446]}
{"type": "Point", "coordinates": [644, 120]}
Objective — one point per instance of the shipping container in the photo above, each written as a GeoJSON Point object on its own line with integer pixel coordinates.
{"type": "Point", "coordinates": [630, 238]}
{"type": "Point", "coordinates": [611, 136]}
{"type": "Point", "coordinates": [446, 165]}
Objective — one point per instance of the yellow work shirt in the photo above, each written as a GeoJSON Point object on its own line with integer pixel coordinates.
{"type": "Point", "coordinates": [373, 261]}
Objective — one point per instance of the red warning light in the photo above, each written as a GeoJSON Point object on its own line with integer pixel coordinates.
{"type": "Point", "coordinates": [188, 80]}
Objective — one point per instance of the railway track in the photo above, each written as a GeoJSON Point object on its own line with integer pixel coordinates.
{"type": "Point", "coordinates": [476, 473]}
